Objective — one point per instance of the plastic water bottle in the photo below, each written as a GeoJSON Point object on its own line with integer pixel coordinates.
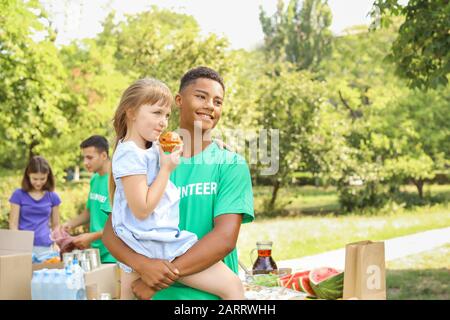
{"type": "Point", "coordinates": [36, 285]}
{"type": "Point", "coordinates": [64, 294]}
{"type": "Point", "coordinates": [45, 285]}
{"type": "Point", "coordinates": [78, 274]}
{"type": "Point", "coordinates": [52, 294]}
{"type": "Point", "coordinates": [57, 285]}
{"type": "Point", "coordinates": [68, 284]}
{"type": "Point", "coordinates": [62, 285]}
{"type": "Point", "coordinates": [72, 283]}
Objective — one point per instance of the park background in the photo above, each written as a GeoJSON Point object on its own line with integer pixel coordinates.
{"type": "Point", "coordinates": [363, 117]}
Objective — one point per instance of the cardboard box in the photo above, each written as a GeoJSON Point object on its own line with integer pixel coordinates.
{"type": "Point", "coordinates": [16, 268]}
{"type": "Point", "coordinates": [39, 266]}
{"type": "Point", "coordinates": [104, 279]}
{"type": "Point", "coordinates": [15, 264]}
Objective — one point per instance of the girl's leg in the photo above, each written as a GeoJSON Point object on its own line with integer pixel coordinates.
{"type": "Point", "coordinates": [126, 279]}
{"type": "Point", "coordinates": [217, 279]}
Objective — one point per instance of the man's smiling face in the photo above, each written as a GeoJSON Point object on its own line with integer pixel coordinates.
{"type": "Point", "coordinates": [200, 103]}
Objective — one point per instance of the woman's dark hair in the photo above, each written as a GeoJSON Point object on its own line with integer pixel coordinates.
{"type": "Point", "coordinates": [38, 164]}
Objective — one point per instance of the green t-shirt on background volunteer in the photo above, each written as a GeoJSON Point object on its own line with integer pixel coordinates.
{"type": "Point", "coordinates": [99, 210]}
{"type": "Point", "coordinates": [212, 183]}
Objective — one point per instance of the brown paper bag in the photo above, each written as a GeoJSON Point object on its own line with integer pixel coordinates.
{"type": "Point", "coordinates": [365, 271]}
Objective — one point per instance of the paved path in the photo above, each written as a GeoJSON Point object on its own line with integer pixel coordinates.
{"type": "Point", "coordinates": [394, 248]}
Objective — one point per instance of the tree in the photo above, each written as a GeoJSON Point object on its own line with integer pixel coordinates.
{"type": "Point", "coordinates": [300, 35]}
{"type": "Point", "coordinates": [393, 135]}
{"type": "Point", "coordinates": [93, 89]}
{"type": "Point", "coordinates": [290, 102]}
{"type": "Point", "coordinates": [428, 150]}
{"type": "Point", "coordinates": [297, 40]}
{"type": "Point", "coordinates": [31, 83]}
{"type": "Point", "coordinates": [422, 48]}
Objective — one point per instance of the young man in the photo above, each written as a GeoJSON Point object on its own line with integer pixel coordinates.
{"type": "Point", "coordinates": [95, 151]}
{"type": "Point", "coordinates": [215, 190]}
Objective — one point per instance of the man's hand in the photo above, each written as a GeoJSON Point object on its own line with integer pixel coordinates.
{"type": "Point", "coordinates": [141, 290]}
{"type": "Point", "coordinates": [157, 274]}
{"type": "Point", "coordinates": [66, 227]}
{"type": "Point", "coordinates": [83, 241]}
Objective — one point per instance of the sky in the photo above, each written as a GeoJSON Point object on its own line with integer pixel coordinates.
{"type": "Point", "coordinates": [238, 20]}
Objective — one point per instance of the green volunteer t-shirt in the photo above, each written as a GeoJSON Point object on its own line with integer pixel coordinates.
{"type": "Point", "coordinates": [99, 210]}
{"type": "Point", "coordinates": [212, 183]}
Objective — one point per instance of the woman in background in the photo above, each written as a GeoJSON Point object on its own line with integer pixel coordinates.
{"type": "Point", "coordinates": [36, 204]}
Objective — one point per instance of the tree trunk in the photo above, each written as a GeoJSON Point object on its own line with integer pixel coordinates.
{"type": "Point", "coordinates": [76, 174]}
{"type": "Point", "coordinates": [419, 184]}
{"type": "Point", "coordinates": [276, 188]}
{"type": "Point", "coordinates": [31, 153]}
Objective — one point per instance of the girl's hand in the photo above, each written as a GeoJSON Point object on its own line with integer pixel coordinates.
{"type": "Point", "coordinates": [170, 161]}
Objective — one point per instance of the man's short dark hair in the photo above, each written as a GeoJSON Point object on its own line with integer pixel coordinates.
{"type": "Point", "coordinates": [99, 142]}
{"type": "Point", "coordinates": [200, 72]}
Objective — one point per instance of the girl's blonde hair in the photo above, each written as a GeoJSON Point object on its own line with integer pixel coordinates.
{"type": "Point", "coordinates": [143, 91]}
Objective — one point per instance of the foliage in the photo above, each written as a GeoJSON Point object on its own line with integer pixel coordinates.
{"type": "Point", "coordinates": [344, 115]}
{"type": "Point", "coordinates": [31, 85]}
{"type": "Point", "coordinates": [421, 50]}
{"type": "Point", "coordinates": [300, 34]}
{"type": "Point", "coordinates": [163, 44]}
{"type": "Point", "coordinates": [380, 141]}
{"type": "Point", "coordinates": [289, 101]}
{"type": "Point", "coordinates": [93, 89]}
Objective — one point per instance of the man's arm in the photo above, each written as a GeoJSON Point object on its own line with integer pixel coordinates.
{"type": "Point", "coordinates": [213, 247]}
{"type": "Point", "coordinates": [157, 274]}
{"type": "Point", "coordinates": [83, 241]}
{"type": "Point", "coordinates": [79, 220]}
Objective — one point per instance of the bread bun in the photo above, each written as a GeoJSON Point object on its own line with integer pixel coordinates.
{"type": "Point", "coordinates": [169, 140]}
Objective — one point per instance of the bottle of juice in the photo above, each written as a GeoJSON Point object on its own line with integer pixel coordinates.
{"type": "Point", "coordinates": [264, 263]}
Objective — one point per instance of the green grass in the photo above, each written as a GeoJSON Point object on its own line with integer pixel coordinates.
{"type": "Point", "coordinates": [309, 200]}
{"type": "Point", "coordinates": [424, 276]}
{"type": "Point", "coordinates": [295, 237]}
{"type": "Point", "coordinates": [305, 200]}
{"type": "Point", "coordinates": [316, 224]}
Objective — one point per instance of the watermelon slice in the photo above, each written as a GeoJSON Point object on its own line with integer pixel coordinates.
{"type": "Point", "coordinates": [288, 280]}
{"type": "Point", "coordinates": [327, 283]}
{"type": "Point", "coordinates": [296, 286]}
{"type": "Point", "coordinates": [305, 286]}
{"type": "Point", "coordinates": [321, 274]}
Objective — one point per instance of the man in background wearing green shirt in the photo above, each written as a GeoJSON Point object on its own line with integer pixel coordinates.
{"type": "Point", "coordinates": [216, 196]}
{"type": "Point", "coordinates": [95, 151]}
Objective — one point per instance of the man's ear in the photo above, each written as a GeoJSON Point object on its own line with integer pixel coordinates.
{"type": "Point", "coordinates": [178, 100]}
{"type": "Point", "coordinates": [104, 155]}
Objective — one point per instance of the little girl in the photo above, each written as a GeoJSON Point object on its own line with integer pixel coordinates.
{"type": "Point", "coordinates": [145, 211]}
{"type": "Point", "coordinates": [35, 204]}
